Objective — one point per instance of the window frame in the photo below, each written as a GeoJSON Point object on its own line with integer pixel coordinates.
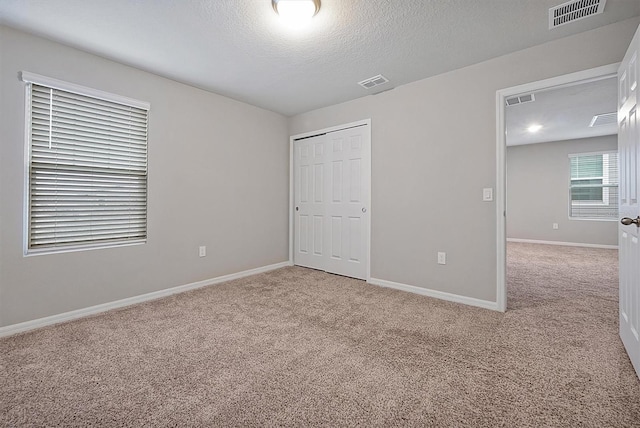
{"type": "Point", "coordinates": [605, 187]}
{"type": "Point", "coordinates": [31, 78]}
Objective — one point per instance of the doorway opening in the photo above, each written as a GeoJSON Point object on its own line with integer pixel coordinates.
{"type": "Point", "coordinates": [579, 193]}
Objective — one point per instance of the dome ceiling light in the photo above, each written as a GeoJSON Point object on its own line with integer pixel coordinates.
{"type": "Point", "coordinates": [296, 11]}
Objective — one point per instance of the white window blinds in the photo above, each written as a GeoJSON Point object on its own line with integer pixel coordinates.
{"type": "Point", "coordinates": [87, 178]}
{"type": "Point", "coordinates": [594, 185]}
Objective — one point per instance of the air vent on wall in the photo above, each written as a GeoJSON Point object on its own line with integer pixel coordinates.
{"type": "Point", "coordinates": [527, 98]}
{"type": "Point", "coordinates": [573, 11]}
{"type": "Point", "coordinates": [374, 81]}
{"type": "Point", "coordinates": [604, 119]}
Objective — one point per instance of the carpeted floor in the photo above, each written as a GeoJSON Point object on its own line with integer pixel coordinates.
{"type": "Point", "coordinates": [297, 347]}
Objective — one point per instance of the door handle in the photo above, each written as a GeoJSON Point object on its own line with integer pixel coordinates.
{"type": "Point", "coordinates": [627, 221]}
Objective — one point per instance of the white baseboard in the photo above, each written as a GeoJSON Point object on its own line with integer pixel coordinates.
{"type": "Point", "coordinates": [80, 313]}
{"type": "Point", "coordinates": [436, 294]}
{"type": "Point", "coordinates": [565, 244]}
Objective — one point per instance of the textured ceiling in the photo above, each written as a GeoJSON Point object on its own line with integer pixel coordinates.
{"type": "Point", "coordinates": [240, 49]}
{"type": "Point", "coordinates": [564, 113]}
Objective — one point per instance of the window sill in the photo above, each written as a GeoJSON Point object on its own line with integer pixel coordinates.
{"type": "Point", "coordinates": [76, 248]}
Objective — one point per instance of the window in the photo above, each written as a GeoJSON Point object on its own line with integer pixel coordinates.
{"type": "Point", "coordinates": [86, 182]}
{"type": "Point", "coordinates": [594, 186]}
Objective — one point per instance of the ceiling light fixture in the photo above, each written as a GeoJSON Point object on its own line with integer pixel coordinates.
{"type": "Point", "coordinates": [296, 11]}
{"type": "Point", "coordinates": [534, 128]}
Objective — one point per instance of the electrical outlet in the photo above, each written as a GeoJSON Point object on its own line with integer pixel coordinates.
{"type": "Point", "coordinates": [202, 251]}
{"type": "Point", "coordinates": [442, 258]}
{"type": "Point", "coordinates": [555, 226]}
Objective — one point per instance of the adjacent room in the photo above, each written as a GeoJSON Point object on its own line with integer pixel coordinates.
{"type": "Point", "coordinates": [318, 212]}
{"type": "Point", "coordinates": [562, 190]}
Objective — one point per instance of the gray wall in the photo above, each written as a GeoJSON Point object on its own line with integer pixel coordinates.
{"type": "Point", "coordinates": [434, 149]}
{"type": "Point", "coordinates": [538, 195]}
{"type": "Point", "coordinates": [218, 176]}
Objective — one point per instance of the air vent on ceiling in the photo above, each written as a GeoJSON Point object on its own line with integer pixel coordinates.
{"type": "Point", "coordinates": [527, 98]}
{"type": "Point", "coordinates": [374, 81]}
{"type": "Point", "coordinates": [573, 11]}
{"type": "Point", "coordinates": [604, 119]}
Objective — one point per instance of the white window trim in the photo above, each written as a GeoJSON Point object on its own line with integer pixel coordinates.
{"type": "Point", "coordinates": [75, 248]}
{"type": "Point", "coordinates": [594, 204]}
{"type": "Point", "coordinates": [28, 77]}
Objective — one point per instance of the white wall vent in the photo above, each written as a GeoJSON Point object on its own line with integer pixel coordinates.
{"type": "Point", "coordinates": [604, 119]}
{"type": "Point", "coordinates": [573, 11]}
{"type": "Point", "coordinates": [374, 81]}
{"type": "Point", "coordinates": [527, 98]}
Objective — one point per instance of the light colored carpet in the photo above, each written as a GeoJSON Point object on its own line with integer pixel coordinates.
{"type": "Point", "coordinates": [297, 347]}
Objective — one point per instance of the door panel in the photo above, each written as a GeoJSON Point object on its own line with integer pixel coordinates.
{"type": "Point", "coordinates": [318, 183]}
{"type": "Point", "coordinates": [350, 202]}
{"type": "Point", "coordinates": [304, 183]}
{"type": "Point", "coordinates": [354, 180]}
{"type": "Point", "coordinates": [336, 182]}
{"type": "Point", "coordinates": [318, 232]}
{"type": "Point", "coordinates": [355, 230]}
{"type": "Point", "coordinates": [629, 248]}
{"type": "Point", "coordinates": [336, 237]}
{"type": "Point", "coordinates": [309, 188]}
{"type": "Point", "coordinates": [303, 234]}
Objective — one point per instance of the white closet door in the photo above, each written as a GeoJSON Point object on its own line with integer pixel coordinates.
{"type": "Point", "coordinates": [310, 199]}
{"type": "Point", "coordinates": [331, 186]}
{"type": "Point", "coordinates": [348, 202]}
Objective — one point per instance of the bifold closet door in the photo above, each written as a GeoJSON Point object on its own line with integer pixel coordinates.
{"type": "Point", "coordinates": [310, 199]}
{"type": "Point", "coordinates": [332, 202]}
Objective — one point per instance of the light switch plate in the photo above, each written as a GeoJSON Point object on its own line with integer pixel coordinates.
{"type": "Point", "coordinates": [487, 194]}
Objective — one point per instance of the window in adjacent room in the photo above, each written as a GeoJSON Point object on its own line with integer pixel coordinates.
{"type": "Point", "coordinates": [594, 186]}
{"type": "Point", "coordinates": [86, 179]}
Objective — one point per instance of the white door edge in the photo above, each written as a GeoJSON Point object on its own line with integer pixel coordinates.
{"type": "Point", "coordinates": [603, 72]}
{"type": "Point", "coordinates": [292, 139]}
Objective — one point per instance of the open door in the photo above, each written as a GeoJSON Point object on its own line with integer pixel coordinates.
{"type": "Point", "coordinates": [629, 227]}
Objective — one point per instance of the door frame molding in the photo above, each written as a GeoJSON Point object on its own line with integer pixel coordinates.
{"type": "Point", "coordinates": [292, 139]}
{"type": "Point", "coordinates": [583, 76]}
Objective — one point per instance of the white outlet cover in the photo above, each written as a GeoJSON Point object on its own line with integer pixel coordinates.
{"type": "Point", "coordinates": [442, 258]}
{"type": "Point", "coordinates": [202, 251]}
